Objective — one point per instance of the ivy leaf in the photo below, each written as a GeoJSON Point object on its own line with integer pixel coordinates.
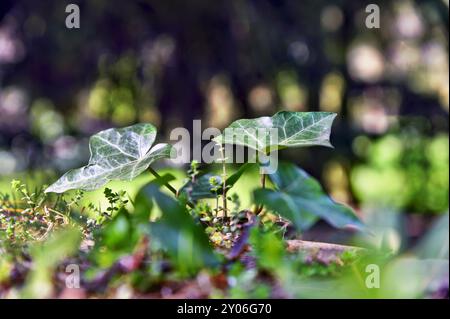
{"type": "Point", "coordinates": [232, 179]}
{"type": "Point", "coordinates": [201, 187]}
{"type": "Point", "coordinates": [185, 241]}
{"type": "Point", "coordinates": [115, 154]}
{"type": "Point", "coordinates": [117, 237]}
{"type": "Point", "coordinates": [300, 198]}
{"type": "Point", "coordinates": [295, 129]}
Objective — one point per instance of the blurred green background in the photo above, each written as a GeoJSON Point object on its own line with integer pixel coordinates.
{"type": "Point", "coordinates": [169, 62]}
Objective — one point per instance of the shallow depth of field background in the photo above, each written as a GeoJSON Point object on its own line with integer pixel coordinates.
{"type": "Point", "coordinates": [169, 62]}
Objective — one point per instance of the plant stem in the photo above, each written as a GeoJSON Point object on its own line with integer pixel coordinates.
{"type": "Point", "coordinates": [168, 186]}
{"type": "Point", "coordinates": [263, 185]}
{"type": "Point", "coordinates": [217, 204]}
{"type": "Point", "coordinates": [224, 182]}
{"type": "Point", "coordinates": [263, 180]}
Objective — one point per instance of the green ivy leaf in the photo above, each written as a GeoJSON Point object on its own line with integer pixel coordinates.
{"type": "Point", "coordinates": [115, 154]}
{"type": "Point", "coordinates": [295, 129]}
{"type": "Point", "coordinates": [300, 198]}
{"type": "Point", "coordinates": [200, 188]}
{"type": "Point", "coordinates": [176, 230]}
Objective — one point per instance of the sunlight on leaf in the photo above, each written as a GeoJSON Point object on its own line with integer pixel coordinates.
{"type": "Point", "coordinates": [119, 154]}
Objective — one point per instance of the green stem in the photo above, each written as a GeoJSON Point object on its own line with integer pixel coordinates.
{"type": "Point", "coordinates": [224, 185]}
{"type": "Point", "coordinates": [168, 186]}
{"type": "Point", "coordinates": [263, 185]}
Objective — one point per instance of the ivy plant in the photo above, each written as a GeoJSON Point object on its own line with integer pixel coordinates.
{"type": "Point", "coordinates": [125, 153]}
{"type": "Point", "coordinates": [115, 154]}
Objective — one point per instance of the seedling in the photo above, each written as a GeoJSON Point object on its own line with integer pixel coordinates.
{"type": "Point", "coordinates": [124, 153]}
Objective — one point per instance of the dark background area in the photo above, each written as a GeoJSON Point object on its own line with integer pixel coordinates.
{"type": "Point", "coordinates": [168, 62]}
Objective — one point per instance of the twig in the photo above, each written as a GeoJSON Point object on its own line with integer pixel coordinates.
{"type": "Point", "coordinates": [47, 232]}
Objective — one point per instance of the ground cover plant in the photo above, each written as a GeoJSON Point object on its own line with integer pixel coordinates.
{"type": "Point", "coordinates": [196, 241]}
